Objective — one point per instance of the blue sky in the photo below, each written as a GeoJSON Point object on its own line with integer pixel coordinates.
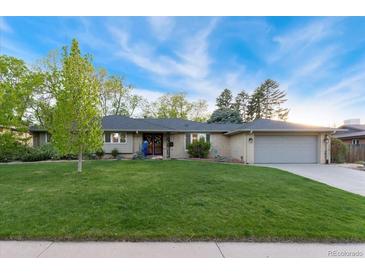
{"type": "Point", "coordinates": [319, 61]}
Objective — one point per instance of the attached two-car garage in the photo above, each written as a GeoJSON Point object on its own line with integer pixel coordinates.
{"type": "Point", "coordinates": [286, 149]}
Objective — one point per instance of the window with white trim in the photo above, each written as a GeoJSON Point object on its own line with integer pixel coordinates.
{"type": "Point", "coordinates": [198, 136]}
{"type": "Point", "coordinates": [115, 137]}
{"type": "Point", "coordinates": [355, 141]}
{"type": "Point", "coordinates": [192, 137]}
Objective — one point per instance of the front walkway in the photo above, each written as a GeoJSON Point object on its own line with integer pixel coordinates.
{"type": "Point", "coordinates": [334, 175]}
{"type": "Point", "coordinates": [44, 249]}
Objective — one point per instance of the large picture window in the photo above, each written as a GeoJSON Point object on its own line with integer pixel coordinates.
{"type": "Point", "coordinates": [115, 137]}
{"type": "Point", "coordinates": [191, 137]}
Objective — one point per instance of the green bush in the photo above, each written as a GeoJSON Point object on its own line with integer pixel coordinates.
{"type": "Point", "coordinates": [42, 153]}
{"type": "Point", "coordinates": [114, 153]}
{"type": "Point", "coordinates": [10, 148]}
{"type": "Point", "coordinates": [199, 149]}
{"type": "Point", "coordinates": [338, 151]}
{"type": "Point", "coordinates": [99, 153]}
{"type": "Point", "coordinates": [138, 156]}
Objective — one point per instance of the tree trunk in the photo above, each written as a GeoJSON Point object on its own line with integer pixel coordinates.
{"type": "Point", "coordinates": [79, 164]}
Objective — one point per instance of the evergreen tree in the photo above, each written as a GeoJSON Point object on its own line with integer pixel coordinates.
{"type": "Point", "coordinates": [224, 100]}
{"type": "Point", "coordinates": [266, 102]}
{"type": "Point", "coordinates": [241, 104]}
{"type": "Point", "coordinates": [225, 116]}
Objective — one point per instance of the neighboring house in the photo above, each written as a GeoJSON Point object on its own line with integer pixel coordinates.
{"type": "Point", "coordinates": [40, 136]}
{"type": "Point", "coordinates": [21, 135]}
{"type": "Point", "coordinates": [354, 134]}
{"type": "Point", "coordinates": [260, 141]}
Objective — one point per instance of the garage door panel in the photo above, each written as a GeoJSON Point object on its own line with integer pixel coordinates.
{"type": "Point", "coordinates": [285, 149]}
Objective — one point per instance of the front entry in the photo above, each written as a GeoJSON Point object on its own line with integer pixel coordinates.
{"type": "Point", "coordinates": [155, 141]}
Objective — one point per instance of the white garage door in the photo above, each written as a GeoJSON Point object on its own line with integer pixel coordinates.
{"type": "Point", "coordinates": [286, 149]}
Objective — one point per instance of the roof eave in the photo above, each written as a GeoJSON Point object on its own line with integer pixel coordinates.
{"type": "Point", "coordinates": [163, 130]}
{"type": "Point", "coordinates": [281, 130]}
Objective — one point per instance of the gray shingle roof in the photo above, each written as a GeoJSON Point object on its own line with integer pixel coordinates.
{"type": "Point", "coordinates": [37, 129]}
{"type": "Point", "coordinates": [351, 131]}
{"type": "Point", "coordinates": [354, 127]}
{"type": "Point", "coordinates": [122, 123]}
{"type": "Point", "coordinates": [351, 134]}
{"type": "Point", "coordinates": [116, 122]}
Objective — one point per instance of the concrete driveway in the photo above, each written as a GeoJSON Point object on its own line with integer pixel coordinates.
{"type": "Point", "coordinates": [337, 176]}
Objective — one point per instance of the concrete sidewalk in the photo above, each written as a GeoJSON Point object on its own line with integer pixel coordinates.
{"type": "Point", "coordinates": [45, 249]}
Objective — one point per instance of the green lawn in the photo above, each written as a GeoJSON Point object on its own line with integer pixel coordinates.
{"type": "Point", "coordinates": [172, 200]}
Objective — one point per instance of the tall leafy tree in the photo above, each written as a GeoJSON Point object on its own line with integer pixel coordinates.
{"type": "Point", "coordinates": [17, 85]}
{"type": "Point", "coordinates": [116, 98]}
{"type": "Point", "coordinates": [171, 105]}
{"type": "Point", "coordinates": [199, 111]}
{"type": "Point", "coordinates": [224, 100]}
{"type": "Point", "coordinates": [43, 100]}
{"type": "Point", "coordinates": [76, 123]}
{"type": "Point", "coordinates": [105, 96]}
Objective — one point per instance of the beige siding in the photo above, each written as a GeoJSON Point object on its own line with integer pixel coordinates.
{"type": "Point", "coordinates": [137, 142]}
{"type": "Point", "coordinates": [178, 150]}
{"type": "Point", "coordinates": [122, 148]}
{"type": "Point", "coordinates": [237, 147]}
{"type": "Point", "coordinates": [220, 145]}
{"type": "Point", "coordinates": [324, 149]}
{"type": "Point", "coordinates": [164, 146]}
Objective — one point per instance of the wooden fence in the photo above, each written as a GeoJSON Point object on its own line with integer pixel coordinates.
{"type": "Point", "coordinates": [355, 153]}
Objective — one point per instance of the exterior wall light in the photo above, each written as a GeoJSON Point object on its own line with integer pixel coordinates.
{"type": "Point", "coordinates": [326, 141]}
{"type": "Point", "coordinates": [250, 140]}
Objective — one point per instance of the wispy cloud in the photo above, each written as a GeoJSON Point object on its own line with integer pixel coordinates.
{"type": "Point", "coordinates": [14, 48]}
{"type": "Point", "coordinates": [298, 40]}
{"type": "Point", "coordinates": [333, 104]}
{"type": "Point", "coordinates": [161, 26]}
{"type": "Point", "coordinates": [152, 95]}
{"type": "Point", "coordinates": [4, 26]}
{"type": "Point", "coordinates": [191, 60]}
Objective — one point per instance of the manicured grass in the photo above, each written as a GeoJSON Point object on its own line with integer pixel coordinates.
{"type": "Point", "coordinates": [172, 200]}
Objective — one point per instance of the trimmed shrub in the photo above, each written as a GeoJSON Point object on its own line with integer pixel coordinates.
{"type": "Point", "coordinates": [99, 153]}
{"type": "Point", "coordinates": [338, 151]}
{"type": "Point", "coordinates": [138, 156]}
{"type": "Point", "coordinates": [199, 149]}
{"type": "Point", "coordinates": [115, 153]}
{"type": "Point", "coordinates": [43, 153]}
